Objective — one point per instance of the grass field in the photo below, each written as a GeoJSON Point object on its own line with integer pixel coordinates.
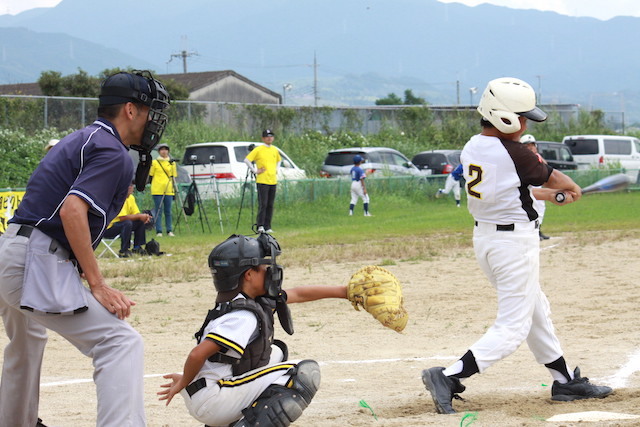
{"type": "Point", "coordinates": [402, 229]}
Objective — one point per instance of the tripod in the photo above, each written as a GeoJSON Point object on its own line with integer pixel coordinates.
{"type": "Point", "coordinates": [245, 184]}
{"type": "Point", "coordinates": [216, 191]}
{"type": "Point", "coordinates": [193, 192]}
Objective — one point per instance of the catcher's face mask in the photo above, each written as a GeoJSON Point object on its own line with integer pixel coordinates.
{"type": "Point", "coordinates": [274, 275]}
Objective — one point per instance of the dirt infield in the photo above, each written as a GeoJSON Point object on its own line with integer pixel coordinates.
{"type": "Point", "coordinates": [590, 279]}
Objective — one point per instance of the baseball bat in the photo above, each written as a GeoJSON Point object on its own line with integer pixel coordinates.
{"type": "Point", "coordinates": [617, 182]}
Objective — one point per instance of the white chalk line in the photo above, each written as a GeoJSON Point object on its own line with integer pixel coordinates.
{"type": "Point", "coordinates": [328, 362]}
{"type": "Point", "coordinates": [621, 378]}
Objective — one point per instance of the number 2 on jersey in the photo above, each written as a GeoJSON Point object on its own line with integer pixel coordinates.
{"type": "Point", "coordinates": [474, 171]}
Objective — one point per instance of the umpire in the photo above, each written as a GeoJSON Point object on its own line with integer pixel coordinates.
{"type": "Point", "coordinates": [74, 193]}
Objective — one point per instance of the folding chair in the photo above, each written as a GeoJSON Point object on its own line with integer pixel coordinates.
{"type": "Point", "coordinates": [107, 243]}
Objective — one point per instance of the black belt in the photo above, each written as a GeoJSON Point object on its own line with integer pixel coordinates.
{"type": "Point", "coordinates": [25, 230]}
{"type": "Point", "coordinates": [196, 386]}
{"type": "Point", "coordinates": [506, 227]}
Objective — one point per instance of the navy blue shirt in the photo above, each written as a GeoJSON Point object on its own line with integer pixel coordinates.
{"type": "Point", "coordinates": [357, 173]}
{"type": "Point", "coordinates": [91, 163]}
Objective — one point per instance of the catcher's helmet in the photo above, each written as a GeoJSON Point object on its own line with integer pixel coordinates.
{"type": "Point", "coordinates": [230, 259]}
{"type": "Point", "coordinates": [505, 99]}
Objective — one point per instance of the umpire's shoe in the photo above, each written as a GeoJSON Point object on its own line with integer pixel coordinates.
{"type": "Point", "coordinates": [442, 388]}
{"type": "Point", "coordinates": [578, 388]}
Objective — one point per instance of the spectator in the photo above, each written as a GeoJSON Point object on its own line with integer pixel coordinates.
{"type": "Point", "coordinates": [129, 220]}
{"type": "Point", "coordinates": [163, 172]}
{"type": "Point", "coordinates": [267, 159]}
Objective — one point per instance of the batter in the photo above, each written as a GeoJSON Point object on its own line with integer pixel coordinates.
{"type": "Point", "coordinates": [500, 173]}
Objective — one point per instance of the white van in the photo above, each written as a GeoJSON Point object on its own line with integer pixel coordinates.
{"type": "Point", "coordinates": [601, 150]}
{"type": "Point", "coordinates": [224, 160]}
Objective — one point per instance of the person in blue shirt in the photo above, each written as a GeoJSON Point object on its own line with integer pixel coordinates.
{"type": "Point", "coordinates": [452, 183]}
{"type": "Point", "coordinates": [358, 188]}
{"type": "Point", "coordinates": [48, 249]}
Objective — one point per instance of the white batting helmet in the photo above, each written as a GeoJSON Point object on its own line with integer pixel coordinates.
{"type": "Point", "coordinates": [505, 99]}
{"type": "Point", "coordinates": [527, 139]}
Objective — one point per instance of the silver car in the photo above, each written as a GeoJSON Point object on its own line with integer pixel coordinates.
{"type": "Point", "coordinates": [378, 161]}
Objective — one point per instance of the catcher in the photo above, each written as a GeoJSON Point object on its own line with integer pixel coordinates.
{"type": "Point", "coordinates": [237, 373]}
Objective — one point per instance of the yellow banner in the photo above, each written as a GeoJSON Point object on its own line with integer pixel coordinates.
{"type": "Point", "coordinates": [9, 201]}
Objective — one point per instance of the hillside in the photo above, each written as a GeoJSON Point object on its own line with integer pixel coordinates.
{"type": "Point", "coordinates": [364, 49]}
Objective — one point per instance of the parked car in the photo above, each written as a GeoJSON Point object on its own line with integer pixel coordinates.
{"type": "Point", "coordinates": [379, 161]}
{"type": "Point", "coordinates": [557, 155]}
{"type": "Point", "coordinates": [600, 150]}
{"type": "Point", "coordinates": [437, 162]}
{"type": "Point", "coordinates": [224, 160]}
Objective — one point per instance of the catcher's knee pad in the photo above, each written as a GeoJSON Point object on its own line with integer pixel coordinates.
{"type": "Point", "coordinates": [277, 406]}
{"type": "Point", "coordinates": [305, 378]}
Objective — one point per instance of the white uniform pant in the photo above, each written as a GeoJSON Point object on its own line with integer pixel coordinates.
{"type": "Point", "coordinates": [222, 402]}
{"type": "Point", "coordinates": [452, 184]}
{"type": "Point", "coordinates": [358, 192]}
{"type": "Point", "coordinates": [511, 261]}
{"type": "Point", "coordinates": [115, 347]}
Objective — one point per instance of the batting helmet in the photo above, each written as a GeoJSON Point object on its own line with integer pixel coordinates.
{"type": "Point", "coordinates": [230, 259]}
{"type": "Point", "coordinates": [505, 99]}
{"type": "Point", "coordinates": [527, 139]}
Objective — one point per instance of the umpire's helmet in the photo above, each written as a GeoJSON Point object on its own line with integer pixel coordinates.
{"type": "Point", "coordinates": [505, 99]}
{"type": "Point", "coordinates": [230, 259]}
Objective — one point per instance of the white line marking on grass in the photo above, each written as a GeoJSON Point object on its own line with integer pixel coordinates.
{"type": "Point", "coordinates": [620, 378]}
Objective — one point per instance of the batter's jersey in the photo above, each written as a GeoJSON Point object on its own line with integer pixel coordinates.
{"type": "Point", "coordinates": [91, 163]}
{"type": "Point", "coordinates": [499, 175]}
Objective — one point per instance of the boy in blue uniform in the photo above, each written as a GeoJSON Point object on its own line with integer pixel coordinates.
{"type": "Point", "coordinates": [358, 188]}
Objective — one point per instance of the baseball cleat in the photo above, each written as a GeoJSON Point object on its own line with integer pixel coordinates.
{"type": "Point", "coordinates": [443, 389]}
{"type": "Point", "coordinates": [578, 388]}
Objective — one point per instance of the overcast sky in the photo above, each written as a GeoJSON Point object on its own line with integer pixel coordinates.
{"type": "Point", "coordinates": [601, 9]}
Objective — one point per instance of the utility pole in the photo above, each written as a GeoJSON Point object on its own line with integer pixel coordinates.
{"type": "Point", "coordinates": [184, 55]}
{"type": "Point", "coordinates": [315, 80]}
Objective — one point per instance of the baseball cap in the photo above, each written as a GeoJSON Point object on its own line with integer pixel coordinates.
{"type": "Point", "coordinates": [267, 132]}
{"type": "Point", "coordinates": [159, 146]}
{"type": "Point", "coordinates": [125, 87]}
{"type": "Point", "coordinates": [357, 158]}
{"type": "Point", "coordinates": [527, 139]}
{"type": "Point", "coordinates": [51, 143]}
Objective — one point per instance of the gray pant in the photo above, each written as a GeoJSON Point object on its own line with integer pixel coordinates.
{"type": "Point", "coordinates": [115, 347]}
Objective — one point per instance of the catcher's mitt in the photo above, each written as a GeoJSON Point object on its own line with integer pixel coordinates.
{"type": "Point", "coordinates": [379, 292]}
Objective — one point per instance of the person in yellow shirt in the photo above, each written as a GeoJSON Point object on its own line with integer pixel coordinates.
{"type": "Point", "coordinates": [163, 171]}
{"type": "Point", "coordinates": [129, 220]}
{"type": "Point", "coordinates": [267, 159]}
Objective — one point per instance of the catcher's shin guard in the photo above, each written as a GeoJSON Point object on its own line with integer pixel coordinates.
{"type": "Point", "coordinates": [278, 405]}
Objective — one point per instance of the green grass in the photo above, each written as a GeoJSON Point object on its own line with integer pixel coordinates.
{"type": "Point", "coordinates": [403, 229]}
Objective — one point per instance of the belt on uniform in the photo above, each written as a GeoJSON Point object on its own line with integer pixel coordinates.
{"type": "Point", "coordinates": [507, 227]}
{"type": "Point", "coordinates": [25, 231]}
{"type": "Point", "coordinates": [196, 386]}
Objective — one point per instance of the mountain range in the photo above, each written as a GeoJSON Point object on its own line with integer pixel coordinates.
{"type": "Point", "coordinates": [364, 49]}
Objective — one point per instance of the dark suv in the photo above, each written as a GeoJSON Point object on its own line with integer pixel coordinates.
{"type": "Point", "coordinates": [557, 155]}
{"type": "Point", "coordinates": [438, 162]}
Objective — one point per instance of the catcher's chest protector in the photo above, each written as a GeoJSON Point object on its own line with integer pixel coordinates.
{"type": "Point", "coordinates": [258, 351]}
